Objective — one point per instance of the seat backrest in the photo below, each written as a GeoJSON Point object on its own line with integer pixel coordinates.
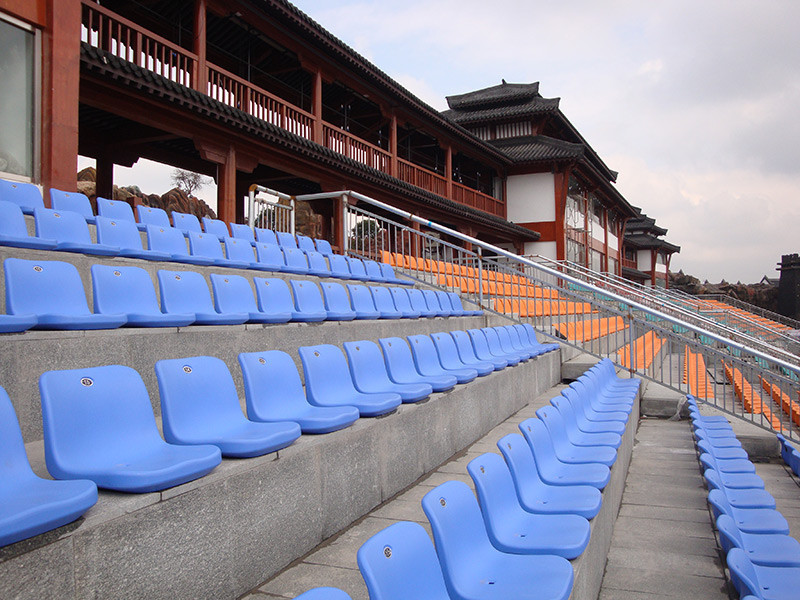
{"type": "Point", "coordinates": [166, 239]}
{"type": "Point", "coordinates": [444, 302]}
{"type": "Point", "coordinates": [216, 227]}
{"type": "Point", "coordinates": [25, 195]}
{"type": "Point", "coordinates": [184, 292]}
{"type": "Point", "coordinates": [339, 266]}
{"type": "Point", "coordinates": [101, 412]}
{"type": "Point", "coordinates": [366, 364]}
{"type": "Point", "coordinates": [729, 534]}
{"type": "Point", "coordinates": [205, 245]}
{"type": "Point", "coordinates": [305, 243]}
{"type": "Point", "coordinates": [743, 574]}
{"type": "Point", "coordinates": [324, 247]}
{"type": "Point", "coordinates": [383, 300]}
{"type": "Point", "coordinates": [123, 290]}
{"type": "Point", "coordinates": [317, 262]}
{"type": "Point", "coordinates": [398, 359]}
{"type": "Point", "coordinates": [12, 221]}
{"type": "Point", "coordinates": [270, 255]}
{"type": "Point", "coordinates": [307, 297]}
{"type": "Point", "coordinates": [388, 272]}
{"type": "Point", "coordinates": [361, 298]}
{"type": "Point", "coordinates": [62, 226]}
{"type": "Point", "coordinates": [271, 384]}
{"type": "Point", "coordinates": [238, 250]}
{"type": "Point", "coordinates": [539, 440]}
{"type": "Point", "coordinates": [150, 215]}
{"type": "Point", "coordinates": [73, 201]}
{"type": "Point", "coordinates": [522, 466]}
{"type": "Point", "coordinates": [286, 239]}
{"type": "Point", "coordinates": [446, 349]}
{"type": "Point", "coordinates": [335, 297]}
{"type": "Point", "coordinates": [401, 300]}
{"type": "Point", "coordinates": [356, 267]}
{"type": "Point", "coordinates": [373, 270]}
{"type": "Point", "coordinates": [14, 463]}
{"type": "Point", "coordinates": [505, 340]}
{"type": "Point", "coordinates": [43, 287]}
{"type": "Point", "coordinates": [295, 258]}
{"type": "Point", "coordinates": [455, 302]}
{"type": "Point", "coordinates": [433, 303]}
{"type": "Point", "coordinates": [494, 486]}
{"type": "Point", "coordinates": [273, 296]}
{"type": "Point", "coordinates": [266, 236]}
{"type": "Point", "coordinates": [326, 372]}
{"type": "Point", "coordinates": [493, 341]}
{"type": "Point", "coordinates": [531, 332]}
{"type": "Point", "coordinates": [418, 303]}
{"type": "Point", "coordinates": [479, 343]}
{"type": "Point", "coordinates": [232, 294]}
{"type": "Point", "coordinates": [197, 394]}
{"type": "Point", "coordinates": [426, 359]}
{"type": "Point", "coordinates": [115, 209]}
{"type": "Point", "coordinates": [118, 232]}
{"type": "Point", "coordinates": [186, 222]}
{"type": "Point", "coordinates": [464, 347]}
{"type": "Point", "coordinates": [399, 563]}
{"type": "Point", "coordinates": [242, 232]}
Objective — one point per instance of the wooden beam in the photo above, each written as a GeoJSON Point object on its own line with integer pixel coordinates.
{"type": "Point", "coordinates": [104, 169]}
{"type": "Point", "coordinates": [199, 46]}
{"type": "Point", "coordinates": [226, 187]}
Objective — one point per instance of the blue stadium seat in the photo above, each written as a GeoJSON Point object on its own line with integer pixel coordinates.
{"type": "Point", "coordinates": [357, 269]}
{"type": "Point", "coordinates": [274, 298]}
{"type": "Point", "coordinates": [552, 470]}
{"type": "Point", "coordinates": [324, 593]}
{"type": "Point", "coordinates": [118, 210]}
{"type": "Point", "coordinates": [467, 353]}
{"type": "Point", "coordinates": [534, 339]}
{"type": "Point", "coordinates": [17, 323]}
{"type": "Point", "coordinates": [399, 563]}
{"type": "Point", "coordinates": [270, 257]}
{"type": "Point", "coordinates": [14, 232]}
{"type": "Point", "coordinates": [200, 405]}
{"type": "Point", "coordinates": [384, 302]}
{"type": "Point", "coordinates": [72, 201]}
{"type": "Point", "coordinates": [337, 302]}
{"type": "Point", "coordinates": [472, 567]}
{"type": "Point", "coordinates": [172, 242]}
{"type": "Point", "coordinates": [328, 383]}
{"type": "Point", "coordinates": [578, 436]}
{"type": "Point", "coordinates": [766, 549]}
{"type": "Point", "coordinates": [125, 236]}
{"type": "Point", "coordinates": [285, 239]}
{"type": "Point", "coordinates": [516, 343]}
{"type": "Point", "coordinates": [434, 306]}
{"type": "Point", "coordinates": [789, 454]}
{"type": "Point", "coordinates": [186, 222]}
{"type": "Point", "coordinates": [485, 352]}
{"type": "Point", "coordinates": [767, 583]}
{"type": "Point", "coordinates": [52, 291]}
{"type": "Point", "coordinates": [513, 529]}
{"type": "Point", "coordinates": [99, 425]}
{"type": "Point", "coordinates": [582, 402]}
{"type": "Point", "coordinates": [308, 303]}
{"type": "Point", "coordinates": [748, 520]}
{"type": "Point", "coordinates": [369, 374]}
{"type": "Point", "coordinates": [426, 360]}
{"type": "Point", "coordinates": [444, 302]}
{"type": "Point", "coordinates": [239, 252]}
{"type": "Point", "coordinates": [274, 392]}
{"type": "Point", "coordinates": [266, 236]}
{"type": "Point", "coordinates": [216, 227]}
{"type": "Point", "coordinates": [500, 343]}
{"type": "Point", "coordinates": [731, 481]}
{"type": "Point", "coordinates": [317, 265]}
{"type": "Point", "coordinates": [537, 496]}
{"type": "Point", "coordinates": [361, 302]}
{"type": "Point", "coordinates": [583, 390]}
{"type": "Point", "coordinates": [296, 260]}
{"type": "Point", "coordinates": [305, 243]}
{"type": "Point", "coordinates": [419, 304]}
{"type": "Point", "coordinates": [233, 294]}
{"type": "Point", "coordinates": [324, 247]}
{"type": "Point", "coordinates": [186, 292]}
{"type": "Point", "coordinates": [70, 232]}
{"type": "Point", "coordinates": [129, 291]}
{"type": "Point", "coordinates": [565, 450]}
{"type": "Point", "coordinates": [339, 267]}
{"type": "Point", "coordinates": [242, 232]}
{"type": "Point", "coordinates": [727, 465]}
{"type": "Point", "coordinates": [705, 447]}
{"type": "Point", "coordinates": [30, 505]}
{"type": "Point", "coordinates": [374, 272]}
{"type": "Point", "coordinates": [149, 215]}
{"type": "Point", "coordinates": [570, 408]}
{"type": "Point", "coordinates": [400, 366]}
{"type": "Point", "coordinates": [450, 359]}
{"type": "Point", "coordinates": [205, 245]}
{"type": "Point", "coordinates": [25, 195]}
{"type": "Point", "coordinates": [391, 277]}
{"type": "Point", "coordinates": [458, 307]}
{"type": "Point", "coordinates": [403, 303]}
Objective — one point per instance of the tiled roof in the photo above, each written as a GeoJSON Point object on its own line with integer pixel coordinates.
{"type": "Point", "coordinates": [644, 240]}
{"type": "Point", "coordinates": [498, 112]}
{"type": "Point", "coordinates": [504, 93]}
{"type": "Point", "coordinates": [537, 148]}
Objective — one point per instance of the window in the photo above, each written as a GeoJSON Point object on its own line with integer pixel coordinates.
{"type": "Point", "coordinates": [18, 72]}
{"type": "Point", "coordinates": [612, 265]}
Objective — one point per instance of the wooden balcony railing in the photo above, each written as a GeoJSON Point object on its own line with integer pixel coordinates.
{"type": "Point", "coordinates": [630, 263]}
{"type": "Point", "coordinates": [120, 37]}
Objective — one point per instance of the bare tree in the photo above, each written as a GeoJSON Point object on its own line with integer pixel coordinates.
{"type": "Point", "coordinates": [187, 181]}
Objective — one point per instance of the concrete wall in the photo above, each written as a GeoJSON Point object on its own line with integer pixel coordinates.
{"type": "Point", "coordinates": [531, 198]}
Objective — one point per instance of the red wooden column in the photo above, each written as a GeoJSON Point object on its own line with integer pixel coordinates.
{"type": "Point", "coordinates": [105, 175]}
{"type": "Point", "coordinates": [448, 170]}
{"type": "Point", "coordinates": [226, 187]}
{"type": "Point", "coordinates": [61, 45]}
{"type": "Point", "coordinates": [605, 239]}
{"type": "Point", "coordinates": [393, 165]}
{"type": "Point", "coordinates": [316, 107]}
{"type": "Point", "coordinates": [199, 47]}
{"type": "Point", "coordinates": [560, 181]}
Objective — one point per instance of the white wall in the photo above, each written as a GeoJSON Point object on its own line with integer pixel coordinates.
{"type": "Point", "coordinates": [547, 249]}
{"type": "Point", "coordinates": [644, 262]}
{"type": "Point", "coordinates": [531, 198]}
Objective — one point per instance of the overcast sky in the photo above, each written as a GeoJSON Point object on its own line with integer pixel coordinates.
{"type": "Point", "coordinates": [695, 103]}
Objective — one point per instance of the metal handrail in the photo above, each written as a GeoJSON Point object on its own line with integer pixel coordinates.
{"type": "Point", "coordinates": [255, 189]}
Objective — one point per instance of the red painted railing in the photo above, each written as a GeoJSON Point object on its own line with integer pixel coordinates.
{"type": "Point", "coordinates": [120, 37]}
{"type": "Point", "coordinates": [631, 264]}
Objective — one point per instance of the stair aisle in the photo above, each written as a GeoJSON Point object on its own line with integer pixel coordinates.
{"type": "Point", "coordinates": [663, 545]}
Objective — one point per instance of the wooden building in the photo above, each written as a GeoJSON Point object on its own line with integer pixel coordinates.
{"type": "Point", "coordinates": [646, 256]}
